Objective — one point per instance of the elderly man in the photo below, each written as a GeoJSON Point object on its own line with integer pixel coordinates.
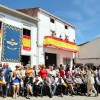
{"type": "Point", "coordinates": [50, 82]}
{"type": "Point", "coordinates": [7, 71]}
{"type": "Point", "coordinates": [3, 85]}
{"type": "Point", "coordinates": [37, 84]}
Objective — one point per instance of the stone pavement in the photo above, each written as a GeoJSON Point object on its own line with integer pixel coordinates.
{"type": "Point", "coordinates": [66, 97]}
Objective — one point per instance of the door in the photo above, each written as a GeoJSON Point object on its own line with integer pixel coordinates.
{"type": "Point", "coordinates": [50, 59]}
{"type": "Point", "coordinates": [25, 59]}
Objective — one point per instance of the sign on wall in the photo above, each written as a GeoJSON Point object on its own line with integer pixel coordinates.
{"type": "Point", "coordinates": [11, 47]}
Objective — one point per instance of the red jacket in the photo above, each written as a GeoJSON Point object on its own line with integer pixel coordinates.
{"type": "Point", "coordinates": [62, 73]}
{"type": "Point", "coordinates": [43, 73]}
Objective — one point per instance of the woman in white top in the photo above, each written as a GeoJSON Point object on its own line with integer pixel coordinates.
{"type": "Point", "coordinates": [52, 71]}
{"type": "Point", "coordinates": [90, 82]}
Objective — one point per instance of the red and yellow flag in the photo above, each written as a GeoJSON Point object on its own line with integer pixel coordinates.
{"type": "Point", "coordinates": [26, 43]}
{"type": "Point", "coordinates": [30, 70]}
{"type": "Point", "coordinates": [60, 44]}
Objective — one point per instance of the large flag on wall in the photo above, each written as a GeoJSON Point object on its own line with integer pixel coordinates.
{"type": "Point", "coordinates": [11, 47]}
{"type": "Point", "coordinates": [26, 43]}
{"type": "Point", "coordinates": [59, 43]}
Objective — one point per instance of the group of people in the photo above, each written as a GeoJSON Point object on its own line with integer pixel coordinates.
{"type": "Point", "coordinates": [55, 80]}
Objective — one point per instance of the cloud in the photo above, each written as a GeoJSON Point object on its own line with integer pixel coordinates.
{"type": "Point", "coordinates": [90, 7]}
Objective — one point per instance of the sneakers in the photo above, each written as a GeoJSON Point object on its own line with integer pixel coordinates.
{"type": "Point", "coordinates": [96, 95]}
{"type": "Point", "coordinates": [27, 97]}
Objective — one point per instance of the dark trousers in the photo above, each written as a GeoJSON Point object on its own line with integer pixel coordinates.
{"type": "Point", "coordinates": [35, 90]}
{"type": "Point", "coordinates": [83, 88]}
{"type": "Point", "coordinates": [4, 88]}
{"type": "Point", "coordinates": [59, 89]}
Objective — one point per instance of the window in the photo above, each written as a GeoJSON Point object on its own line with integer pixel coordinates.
{"type": "Point", "coordinates": [52, 20]}
{"type": "Point", "coordinates": [26, 39]}
{"type": "Point", "coordinates": [66, 61]}
{"type": "Point", "coordinates": [26, 32]}
{"type": "Point", "coordinates": [66, 27]}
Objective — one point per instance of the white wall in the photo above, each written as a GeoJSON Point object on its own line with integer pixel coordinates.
{"type": "Point", "coordinates": [44, 29]}
{"type": "Point", "coordinates": [89, 53]}
{"type": "Point", "coordinates": [8, 19]}
{"type": "Point", "coordinates": [60, 54]}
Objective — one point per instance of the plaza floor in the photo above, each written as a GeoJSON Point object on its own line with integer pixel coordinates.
{"type": "Point", "coordinates": [65, 97]}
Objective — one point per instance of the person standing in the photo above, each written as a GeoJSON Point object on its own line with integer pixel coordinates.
{"type": "Point", "coordinates": [4, 85]}
{"type": "Point", "coordinates": [90, 82]}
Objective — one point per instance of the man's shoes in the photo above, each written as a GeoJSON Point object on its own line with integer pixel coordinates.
{"type": "Point", "coordinates": [61, 94]}
{"type": "Point", "coordinates": [51, 95]}
{"type": "Point", "coordinates": [4, 96]}
{"type": "Point", "coordinates": [88, 95]}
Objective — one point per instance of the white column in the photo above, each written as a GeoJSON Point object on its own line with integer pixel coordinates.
{"type": "Point", "coordinates": [71, 63]}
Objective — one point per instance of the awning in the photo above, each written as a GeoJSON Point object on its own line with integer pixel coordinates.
{"type": "Point", "coordinates": [59, 43]}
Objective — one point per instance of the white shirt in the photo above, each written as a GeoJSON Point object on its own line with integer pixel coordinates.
{"type": "Point", "coordinates": [57, 81]}
{"type": "Point", "coordinates": [53, 72]}
{"type": "Point", "coordinates": [37, 81]}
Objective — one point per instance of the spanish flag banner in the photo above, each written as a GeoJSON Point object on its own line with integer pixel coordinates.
{"type": "Point", "coordinates": [30, 70]}
{"type": "Point", "coordinates": [26, 43]}
{"type": "Point", "coordinates": [60, 44]}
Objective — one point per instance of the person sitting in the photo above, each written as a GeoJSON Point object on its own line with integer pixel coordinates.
{"type": "Point", "coordinates": [69, 81]}
{"type": "Point", "coordinates": [28, 83]}
{"type": "Point", "coordinates": [15, 84]}
{"type": "Point", "coordinates": [62, 71]}
{"type": "Point", "coordinates": [3, 83]}
{"type": "Point", "coordinates": [59, 83]}
{"type": "Point", "coordinates": [79, 84]}
{"type": "Point", "coordinates": [43, 72]}
{"type": "Point", "coordinates": [52, 71]}
{"type": "Point", "coordinates": [37, 83]}
{"type": "Point", "coordinates": [50, 83]}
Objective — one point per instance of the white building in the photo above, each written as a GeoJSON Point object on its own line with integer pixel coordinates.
{"type": "Point", "coordinates": [89, 53]}
{"type": "Point", "coordinates": [56, 29]}
{"type": "Point", "coordinates": [26, 24]}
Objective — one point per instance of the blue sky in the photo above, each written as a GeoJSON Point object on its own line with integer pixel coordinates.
{"type": "Point", "coordinates": [83, 14]}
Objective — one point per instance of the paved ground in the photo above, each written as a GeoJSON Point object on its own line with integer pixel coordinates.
{"type": "Point", "coordinates": [56, 98]}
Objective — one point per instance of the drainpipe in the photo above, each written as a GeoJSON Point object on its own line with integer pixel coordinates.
{"type": "Point", "coordinates": [37, 54]}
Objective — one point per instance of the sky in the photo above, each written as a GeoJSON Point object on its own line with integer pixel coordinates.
{"type": "Point", "coordinates": [83, 14]}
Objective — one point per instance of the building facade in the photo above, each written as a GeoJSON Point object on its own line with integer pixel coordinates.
{"type": "Point", "coordinates": [55, 38]}
{"type": "Point", "coordinates": [89, 53]}
{"type": "Point", "coordinates": [18, 36]}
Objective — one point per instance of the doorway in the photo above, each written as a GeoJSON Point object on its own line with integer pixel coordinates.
{"type": "Point", "coordinates": [25, 60]}
{"type": "Point", "coordinates": [50, 59]}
